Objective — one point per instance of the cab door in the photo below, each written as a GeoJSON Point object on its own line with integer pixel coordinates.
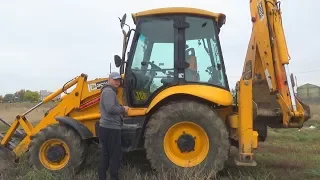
{"type": "Point", "coordinates": [150, 66]}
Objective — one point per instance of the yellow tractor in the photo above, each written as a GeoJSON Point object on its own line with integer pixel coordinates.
{"type": "Point", "coordinates": [175, 83]}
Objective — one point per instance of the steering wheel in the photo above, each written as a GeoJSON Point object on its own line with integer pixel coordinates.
{"type": "Point", "coordinates": [153, 66]}
{"type": "Point", "coordinates": [152, 73]}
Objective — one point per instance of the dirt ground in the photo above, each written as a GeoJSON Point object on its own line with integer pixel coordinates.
{"type": "Point", "coordinates": [287, 154]}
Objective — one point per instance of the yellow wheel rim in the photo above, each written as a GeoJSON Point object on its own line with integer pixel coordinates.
{"type": "Point", "coordinates": [54, 160]}
{"type": "Point", "coordinates": [189, 138]}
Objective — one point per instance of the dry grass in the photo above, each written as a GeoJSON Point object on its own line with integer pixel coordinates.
{"type": "Point", "coordinates": [287, 154]}
{"type": "Point", "coordinates": [8, 111]}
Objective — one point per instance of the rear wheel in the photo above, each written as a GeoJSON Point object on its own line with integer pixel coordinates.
{"type": "Point", "coordinates": [56, 148]}
{"type": "Point", "coordinates": [186, 135]}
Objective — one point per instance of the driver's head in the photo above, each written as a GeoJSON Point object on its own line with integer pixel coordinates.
{"type": "Point", "coordinates": [114, 79]}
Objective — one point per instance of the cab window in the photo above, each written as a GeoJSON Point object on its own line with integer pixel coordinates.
{"type": "Point", "coordinates": [202, 53]}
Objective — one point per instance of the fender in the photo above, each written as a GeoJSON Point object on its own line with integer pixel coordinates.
{"type": "Point", "coordinates": [210, 93]}
{"type": "Point", "coordinates": [84, 132]}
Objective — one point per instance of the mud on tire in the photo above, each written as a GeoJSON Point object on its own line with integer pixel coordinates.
{"type": "Point", "coordinates": [194, 112]}
{"type": "Point", "coordinates": [77, 148]}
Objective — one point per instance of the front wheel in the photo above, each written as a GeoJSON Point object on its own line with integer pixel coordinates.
{"type": "Point", "coordinates": [56, 148]}
{"type": "Point", "coordinates": [186, 135]}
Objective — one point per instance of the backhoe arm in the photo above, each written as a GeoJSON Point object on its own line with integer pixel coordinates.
{"type": "Point", "coordinates": [265, 93]}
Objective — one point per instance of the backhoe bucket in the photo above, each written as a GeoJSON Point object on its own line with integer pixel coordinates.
{"type": "Point", "coordinates": [7, 157]}
{"type": "Point", "coordinates": [306, 108]}
{"type": "Point", "coordinates": [268, 112]}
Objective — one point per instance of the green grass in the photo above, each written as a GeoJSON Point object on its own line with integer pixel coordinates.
{"type": "Point", "coordinates": [287, 154]}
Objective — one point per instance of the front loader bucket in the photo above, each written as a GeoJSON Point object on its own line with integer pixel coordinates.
{"type": "Point", "coordinates": [6, 150]}
{"type": "Point", "coordinates": [7, 159]}
{"type": "Point", "coordinates": [6, 154]}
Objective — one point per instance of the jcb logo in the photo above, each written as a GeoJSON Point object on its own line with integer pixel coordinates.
{"type": "Point", "coordinates": [141, 96]}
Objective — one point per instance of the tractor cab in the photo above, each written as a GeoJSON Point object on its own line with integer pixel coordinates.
{"type": "Point", "coordinates": [170, 47]}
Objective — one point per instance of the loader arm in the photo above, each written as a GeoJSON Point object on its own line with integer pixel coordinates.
{"type": "Point", "coordinates": [265, 93]}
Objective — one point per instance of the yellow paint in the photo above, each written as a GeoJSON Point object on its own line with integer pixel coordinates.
{"type": "Point", "coordinates": [53, 165]}
{"type": "Point", "coordinates": [175, 10]}
{"type": "Point", "coordinates": [233, 121]}
{"type": "Point", "coordinates": [224, 112]}
{"type": "Point", "coordinates": [301, 114]}
{"type": "Point", "coordinates": [186, 159]}
{"type": "Point", "coordinates": [245, 130]}
{"type": "Point", "coordinates": [23, 147]}
{"type": "Point", "coordinates": [120, 94]}
{"type": "Point", "coordinates": [25, 126]}
{"type": "Point", "coordinates": [255, 140]}
{"type": "Point", "coordinates": [210, 93]}
{"type": "Point", "coordinates": [86, 117]}
{"type": "Point", "coordinates": [137, 111]}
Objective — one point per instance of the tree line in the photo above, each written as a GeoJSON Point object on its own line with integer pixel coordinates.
{"type": "Point", "coordinates": [21, 96]}
{"type": "Point", "coordinates": [34, 96]}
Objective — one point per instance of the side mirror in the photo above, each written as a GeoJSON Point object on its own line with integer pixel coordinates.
{"type": "Point", "coordinates": [117, 60]}
{"type": "Point", "coordinates": [123, 20]}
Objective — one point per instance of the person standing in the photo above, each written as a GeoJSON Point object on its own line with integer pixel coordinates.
{"type": "Point", "coordinates": [110, 128]}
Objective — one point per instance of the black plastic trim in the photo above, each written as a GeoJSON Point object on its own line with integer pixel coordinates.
{"type": "Point", "coordinates": [84, 132]}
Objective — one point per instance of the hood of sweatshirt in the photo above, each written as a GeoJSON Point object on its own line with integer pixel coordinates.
{"type": "Point", "coordinates": [108, 86]}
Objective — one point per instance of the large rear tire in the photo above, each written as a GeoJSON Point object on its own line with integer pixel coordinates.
{"type": "Point", "coordinates": [58, 148]}
{"type": "Point", "coordinates": [186, 134]}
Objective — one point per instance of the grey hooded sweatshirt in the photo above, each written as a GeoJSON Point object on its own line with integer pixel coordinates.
{"type": "Point", "coordinates": [110, 109]}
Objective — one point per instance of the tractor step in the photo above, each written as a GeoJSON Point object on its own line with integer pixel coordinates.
{"type": "Point", "coordinates": [251, 163]}
{"type": "Point", "coordinates": [130, 136]}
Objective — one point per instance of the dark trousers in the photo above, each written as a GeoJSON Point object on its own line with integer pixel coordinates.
{"type": "Point", "coordinates": [110, 157]}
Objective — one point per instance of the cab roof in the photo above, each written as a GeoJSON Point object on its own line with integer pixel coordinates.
{"type": "Point", "coordinates": [219, 17]}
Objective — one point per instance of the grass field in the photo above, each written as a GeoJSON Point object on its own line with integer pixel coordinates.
{"type": "Point", "coordinates": [288, 154]}
{"type": "Point", "coordinates": [8, 111]}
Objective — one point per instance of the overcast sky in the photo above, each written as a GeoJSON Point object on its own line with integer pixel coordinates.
{"type": "Point", "coordinates": [43, 43]}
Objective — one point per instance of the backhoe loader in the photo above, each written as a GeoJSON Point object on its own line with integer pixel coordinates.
{"type": "Point", "coordinates": [175, 83]}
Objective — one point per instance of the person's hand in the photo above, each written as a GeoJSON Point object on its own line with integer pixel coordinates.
{"type": "Point", "coordinates": [126, 108]}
